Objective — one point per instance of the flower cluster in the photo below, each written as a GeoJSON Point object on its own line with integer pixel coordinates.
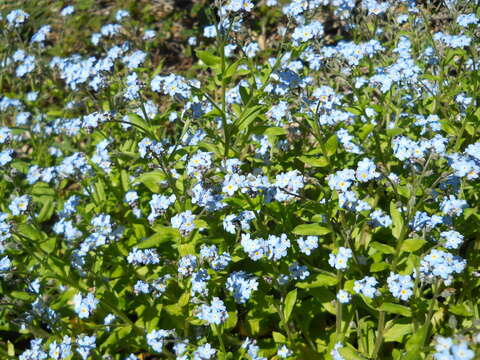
{"type": "Point", "coordinates": [242, 179]}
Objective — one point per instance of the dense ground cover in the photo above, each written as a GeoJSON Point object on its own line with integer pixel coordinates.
{"type": "Point", "coordinates": [239, 180]}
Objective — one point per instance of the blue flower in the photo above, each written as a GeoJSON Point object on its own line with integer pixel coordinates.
{"type": "Point", "coordinates": [366, 286]}
{"type": "Point", "coordinates": [241, 285]}
{"type": "Point", "coordinates": [156, 339]}
{"type": "Point", "coordinates": [204, 352]}
{"type": "Point", "coordinates": [239, 5]}
{"type": "Point", "coordinates": [343, 296]}
{"type": "Point", "coordinates": [215, 313]}
{"type": "Point", "coordinates": [85, 344]}
{"type": "Point", "coordinates": [340, 260]}
{"type": "Point", "coordinates": [19, 205]}
{"type": "Point", "coordinates": [84, 306]}
{"type": "Point", "coordinates": [401, 286]}
{"type": "Point", "coordinates": [15, 18]}
{"type": "Point", "coordinates": [307, 245]}
{"type": "Point", "coordinates": [184, 222]}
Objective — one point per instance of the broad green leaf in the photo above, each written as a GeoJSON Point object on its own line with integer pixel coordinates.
{"type": "Point", "coordinates": [415, 344]}
{"type": "Point", "coordinates": [397, 332]}
{"type": "Point", "coordinates": [125, 180]}
{"type": "Point", "coordinates": [244, 94]}
{"type": "Point", "coordinates": [394, 132]}
{"type": "Point", "coordinates": [208, 58]}
{"type": "Point", "coordinates": [350, 354]}
{"type": "Point", "coordinates": [231, 321]}
{"type": "Point", "coordinates": [396, 309]}
{"type": "Point", "coordinates": [311, 229]}
{"type": "Point", "coordinates": [186, 249]}
{"type": "Point", "coordinates": [279, 338]}
{"type": "Point", "coordinates": [365, 130]}
{"type": "Point", "coordinates": [46, 212]}
{"type": "Point", "coordinates": [331, 145]}
{"type": "Point", "coordinates": [376, 267]}
{"type": "Point", "coordinates": [29, 231]}
{"type": "Point", "coordinates": [162, 235]}
{"type": "Point", "coordinates": [275, 131]}
{"type": "Point", "coordinates": [48, 245]}
{"type": "Point", "coordinates": [232, 69]}
{"type": "Point", "coordinates": [22, 295]}
{"type": "Point", "coordinates": [317, 281]}
{"type": "Point", "coordinates": [10, 349]}
{"type": "Point", "coordinates": [289, 304]}
{"type": "Point", "coordinates": [397, 220]}
{"type": "Point", "coordinates": [117, 335]}
{"type": "Point", "coordinates": [99, 192]}
{"type": "Point", "coordinates": [41, 189]}
{"type": "Point", "coordinates": [461, 310]}
{"type": "Point", "coordinates": [315, 162]}
{"type": "Point", "coordinates": [383, 248]}
{"type": "Point", "coordinates": [140, 124]}
{"type": "Point", "coordinates": [249, 117]}
{"type": "Point", "coordinates": [152, 180]}
{"type": "Point", "coordinates": [412, 245]}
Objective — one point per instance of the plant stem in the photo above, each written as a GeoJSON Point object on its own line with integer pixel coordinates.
{"type": "Point", "coordinates": [380, 328]}
{"type": "Point", "coordinates": [428, 319]}
{"type": "Point", "coordinates": [338, 330]}
{"type": "Point", "coordinates": [223, 94]}
{"type": "Point", "coordinates": [218, 332]}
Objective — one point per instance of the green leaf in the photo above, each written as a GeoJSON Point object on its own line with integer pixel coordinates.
{"type": "Point", "coordinates": [397, 220]}
{"type": "Point", "coordinates": [279, 338]}
{"type": "Point", "coordinates": [315, 162]}
{"type": "Point", "coordinates": [311, 229]}
{"type": "Point", "coordinates": [152, 180]}
{"type": "Point", "coordinates": [412, 245]}
{"type": "Point", "coordinates": [289, 304]}
{"type": "Point", "coordinates": [41, 189]}
{"type": "Point", "coordinates": [365, 130]}
{"type": "Point", "coordinates": [125, 180]}
{"type": "Point", "coordinates": [49, 245]}
{"type": "Point", "coordinates": [116, 336]}
{"type": "Point", "coordinates": [208, 58]}
{"type": "Point", "coordinates": [164, 235]}
{"type": "Point", "coordinates": [243, 122]}
{"type": "Point", "coordinates": [244, 94]}
{"type": "Point", "coordinates": [231, 321]}
{"type": "Point", "coordinates": [29, 231]}
{"type": "Point", "coordinates": [186, 249]}
{"type": "Point", "coordinates": [10, 349]}
{"type": "Point", "coordinates": [397, 332]}
{"type": "Point", "coordinates": [414, 344]}
{"type": "Point", "coordinates": [383, 248]}
{"type": "Point", "coordinates": [99, 192]}
{"type": "Point", "coordinates": [350, 354]}
{"type": "Point", "coordinates": [318, 281]}
{"type": "Point", "coordinates": [396, 309]}
{"type": "Point", "coordinates": [22, 295]}
{"type": "Point", "coordinates": [331, 145]}
{"type": "Point", "coordinates": [394, 132]}
{"type": "Point", "coordinates": [46, 212]}
{"type": "Point", "coordinates": [461, 310]}
{"type": "Point", "coordinates": [232, 68]}
{"type": "Point", "coordinates": [140, 123]}
{"type": "Point", "coordinates": [275, 131]}
{"type": "Point", "coordinates": [376, 267]}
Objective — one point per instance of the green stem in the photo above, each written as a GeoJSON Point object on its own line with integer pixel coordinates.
{"type": "Point", "coordinates": [380, 330]}
{"type": "Point", "coordinates": [339, 310]}
{"type": "Point", "coordinates": [279, 308]}
{"type": "Point", "coordinates": [428, 319]}
{"type": "Point", "coordinates": [218, 332]}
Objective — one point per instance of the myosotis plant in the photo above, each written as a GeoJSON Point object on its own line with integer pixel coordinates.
{"type": "Point", "coordinates": [239, 180]}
